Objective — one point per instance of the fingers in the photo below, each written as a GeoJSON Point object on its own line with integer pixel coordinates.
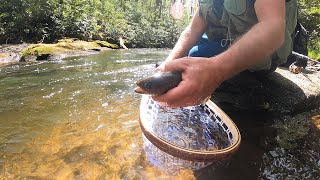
{"type": "Point", "coordinates": [174, 95]}
{"type": "Point", "coordinates": [179, 97]}
{"type": "Point", "coordinates": [193, 89]}
{"type": "Point", "coordinates": [175, 64]}
{"type": "Point", "coordinates": [160, 67]}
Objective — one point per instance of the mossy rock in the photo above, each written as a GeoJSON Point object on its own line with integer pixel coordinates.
{"type": "Point", "coordinates": [106, 44]}
{"type": "Point", "coordinates": [292, 129]}
{"type": "Point", "coordinates": [37, 52]}
{"type": "Point", "coordinates": [64, 46]}
{"type": "Point", "coordinates": [40, 49]}
{"type": "Point", "coordinates": [67, 40]}
{"type": "Point", "coordinates": [78, 45]}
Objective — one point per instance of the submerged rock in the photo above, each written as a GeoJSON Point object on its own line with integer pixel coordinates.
{"type": "Point", "coordinates": [293, 131]}
{"type": "Point", "coordinates": [297, 155]}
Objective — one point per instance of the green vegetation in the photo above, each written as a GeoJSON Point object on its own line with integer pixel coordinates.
{"type": "Point", "coordinates": [309, 15]}
{"type": "Point", "coordinates": [141, 23]}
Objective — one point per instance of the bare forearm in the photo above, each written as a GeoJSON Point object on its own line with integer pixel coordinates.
{"type": "Point", "coordinates": [186, 41]}
{"type": "Point", "coordinates": [201, 76]}
{"type": "Point", "coordinates": [189, 37]}
{"type": "Point", "coordinates": [261, 41]}
{"type": "Point", "coordinates": [249, 50]}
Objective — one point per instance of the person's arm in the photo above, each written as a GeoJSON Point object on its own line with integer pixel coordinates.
{"type": "Point", "coordinates": [188, 38]}
{"type": "Point", "coordinates": [262, 40]}
{"type": "Point", "coordinates": [201, 76]}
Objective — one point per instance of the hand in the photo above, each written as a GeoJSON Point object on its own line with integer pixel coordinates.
{"type": "Point", "coordinates": [200, 77]}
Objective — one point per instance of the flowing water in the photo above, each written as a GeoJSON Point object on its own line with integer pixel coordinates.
{"type": "Point", "coordinates": [77, 118]}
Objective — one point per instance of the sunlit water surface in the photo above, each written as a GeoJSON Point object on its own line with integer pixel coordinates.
{"type": "Point", "coordinates": [78, 119]}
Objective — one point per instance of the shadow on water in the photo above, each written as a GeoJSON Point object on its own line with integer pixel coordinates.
{"type": "Point", "coordinates": [262, 155]}
{"type": "Point", "coordinates": [255, 131]}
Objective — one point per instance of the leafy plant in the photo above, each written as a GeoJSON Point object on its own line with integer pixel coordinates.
{"type": "Point", "coordinates": [309, 15]}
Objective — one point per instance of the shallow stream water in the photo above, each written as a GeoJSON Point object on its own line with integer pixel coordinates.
{"type": "Point", "coordinates": [77, 118]}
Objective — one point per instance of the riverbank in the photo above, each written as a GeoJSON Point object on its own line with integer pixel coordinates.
{"type": "Point", "coordinates": [14, 53]}
{"type": "Point", "coordinates": [10, 53]}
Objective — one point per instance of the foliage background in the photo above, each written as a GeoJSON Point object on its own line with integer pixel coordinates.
{"type": "Point", "coordinates": [309, 15]}
{"type": "Point", "coordinates": [142, 23]}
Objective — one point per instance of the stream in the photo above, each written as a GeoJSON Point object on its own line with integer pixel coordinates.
{"type": "Point", "coordinates": [77, 118]}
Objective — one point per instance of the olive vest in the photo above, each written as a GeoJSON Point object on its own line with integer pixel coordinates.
{"type": "Point", "coordinates": [230, 19]}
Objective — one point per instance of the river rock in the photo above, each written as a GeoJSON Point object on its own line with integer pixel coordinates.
{"type": "Point", "coordinates": [10, 53]}
{"type": "Point", "coordinates": [279, 92]}
{"type": "Point", "coordinates": [67, 47]}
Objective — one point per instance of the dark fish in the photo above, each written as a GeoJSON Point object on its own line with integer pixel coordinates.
{"type": "Point", "coordinates": [159, 83]}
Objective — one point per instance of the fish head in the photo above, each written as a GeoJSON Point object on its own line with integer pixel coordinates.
{"type": "Point", "coordinates": [159, 83]}
{"type": "Point", "coordinates": [144, 86]}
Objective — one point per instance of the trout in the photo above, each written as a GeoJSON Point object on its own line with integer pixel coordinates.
{"type": "Point", "coordinates": [159, 83]}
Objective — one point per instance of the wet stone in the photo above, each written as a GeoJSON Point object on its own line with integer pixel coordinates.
{"type": "Point", "coordinates": [297, 153]}
{"type": "Point", "coordinates": [292, 131]}
{"type": "Point", "coordinates": [273, 153]}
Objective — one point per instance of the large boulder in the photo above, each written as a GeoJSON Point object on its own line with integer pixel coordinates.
{"type": "Point", "coordinates": [278, 92]}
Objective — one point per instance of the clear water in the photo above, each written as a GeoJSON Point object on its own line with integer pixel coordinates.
{"type": "Point", "coordinates": [78, 119]}
{"type": "Point", "coordinates": [188, 127]}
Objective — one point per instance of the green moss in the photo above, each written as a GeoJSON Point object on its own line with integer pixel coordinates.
{"type": "Point", "coordinates": [106, 44]}
{"type": "Point", "coordinates": [314, 49]}
{"type": "Point", "coordinates": [67, 40]}
{"type": "Point", "coordinates": [64, 46]}
{"type": "Point", "coordinates": [37, 50]}
{"type": "Point", "coordinates": [78, 45]}
{"type": "Point", "coordinates": [61, 47]}
{"type": "Point", "coordinates": [84, 45]}
{"type": "Point", "coordinates": [314, 55]}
